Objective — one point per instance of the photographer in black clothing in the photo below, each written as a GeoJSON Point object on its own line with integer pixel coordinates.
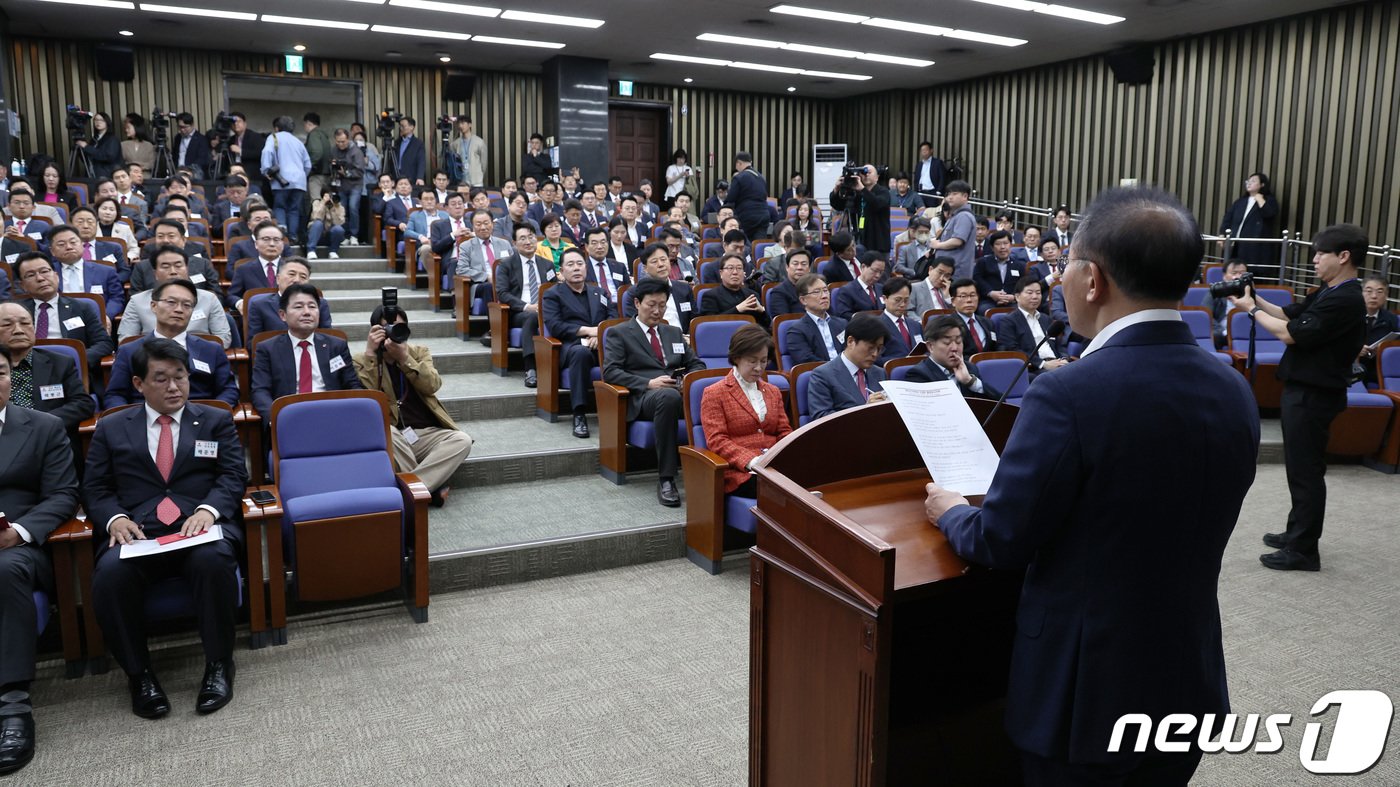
{"type": "Point", "coordinates": [1323, 334]}
{"type": "Point", "coordinates": [866, 202]}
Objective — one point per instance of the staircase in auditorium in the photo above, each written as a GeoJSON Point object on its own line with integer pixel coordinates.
{"type": "Point", "coordinates": [528, 502]}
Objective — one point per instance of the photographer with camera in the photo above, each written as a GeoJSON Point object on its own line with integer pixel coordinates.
{"type": "Point", "coordinates": [347, 175]}
{"type": "Point", "coordinates": [104, 152]}
{"type": "Point", "coordinates": [327, 218]}
{"type": "Point", "coordinates": [286, 163]}
{"type": "Point", "coordinates": [1323, 335]}
{"type": "Point", "coordinates": [866, 202]}
{"type": "Point", "coordinates": [426, 440]}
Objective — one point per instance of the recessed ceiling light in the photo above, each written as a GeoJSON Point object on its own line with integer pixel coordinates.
{"type": "Point", "coordinates": [451, 8]}
{"type": "Point", "coordinates": [125, 33]}
{"type": "Point", "coordinates": [909, 27]}
{"type": "Point", "coordinates": [445, 58]}
{"type": "Point", "coordinates": [296, 20]}
{"type": "Point", "coordinates": [119, 4]}
{"type": "Point", "coordinates": [817, 13]}
{"type": "Point", "coordinates": [704, 61]}
{"type": "Point", "coordinates": [740, 40]}
{"type": "Point", "coordinates": [551, 19]}
{"type": "Point", "coordinates": [300, 47]}
{"type": "Point", "coordinates": [688, 80]}
{"type": "Point", "coordinates": [419, 31]}
{"type": "Point", "coordinates": [518, 42]}
{"type": "Point", "coordinates": [217, 13]}
{"type": "Point", "coordinates": [792, 89]}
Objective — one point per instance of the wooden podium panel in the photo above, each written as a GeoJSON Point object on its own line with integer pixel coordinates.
{"type": "Point", "coordinates": [878, 656]}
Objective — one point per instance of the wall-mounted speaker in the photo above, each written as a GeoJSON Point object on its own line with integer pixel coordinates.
{"type": "Point", "coordinates": [458, 85]}
{"type": "Point", "coordinates": [115, 63]}
{"type": "Point", "coordinates": [1132, 66]}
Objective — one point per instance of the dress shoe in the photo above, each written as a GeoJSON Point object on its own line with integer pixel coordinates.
{"type": "Point", "coordinates": [531, 380]}
{"type": "Point", "coordinates": [16, 742]}
{"type": "Point", "coordinates": [147, 697]}
{"type": "Point", "coordinates": [1275, 541]}
{"type": "Point", "coordinates": [667, 493]}
{"type": "Point", "coordinates": [217, 688]}
{"type": "Point", "coordinates": [1289, 560]}
{"type": "Point", "coordinates": [581, 426]}
{"type": "Point", "coordinates": [439, 497]}
{"type": "Point", "coordinates": [486, 339]}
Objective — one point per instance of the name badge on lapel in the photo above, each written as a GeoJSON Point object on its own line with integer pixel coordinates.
{"type": "Point", "coordinates": [200, 366]}
{"type": "Point", "coordinates": [95, 289]}
{"type": "Point", "coordinates": [337, 363]}
{"type": "Point", "coordinates": [73, 323]}
{"type": "Point", "coordinates": [47, 392]}
{"type": "Point", "coordinates": [685, 306]}
{"type": "Point", "coordinates": [206, 449]}
{"type": "Point", "coordinates": [197, 278]}
{"type": "Point", "coordinates": [678, 348]}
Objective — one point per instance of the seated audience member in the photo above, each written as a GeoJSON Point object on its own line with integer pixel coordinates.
{"type": "Point", "coordinates": [230, 207]}
{"type": "Point", "coordinates": [732, 297]}
{"type": "Point", "coordinates": [713, 204]}
{"type": "Point", "coordinates": [444, 236]}
{"type": "Point", "coordinates": [902, 196]}
{"type": "Point", "coordinates": [619, 248]}
{"type": "Point", "coordinates": [180, 185]}
{"type": "Point", "coordinates": [818, 336]}
{"type": "Point", "coordinates": [609, 274]}
{"type": "Point", "coordinates": [168, 235]}
{"type": "Point", "coordinates": [210, 377]}
{"type": "Point", "coordinates": [914, 256]}
{"type": "Point", "coordinates": [518, 282]}
{"type": "Point", "coordinates": [932, 292]}
{"type": "Point", "coordinates": [471, 253]}
{"type": "Point", "coordinates": [1023, 328]}
{"type": "Point", "coordinates": [130, 201]}
{"type": "Point", "coordinates": [247, 248]}
{"type": "Point", "coordinates": [39, 493]}
{"type": "Point", "coordinates": [573, 227]}
{"type": "Point", "coordinates": [516, 205]}
{"type": "Point", "coordinates": [327, 221]}
{"type": "Point", "coordinates": [850, 379]}
{"type": "Point", "coordinates": [743, 415]}
{"type": "Point", "coordinates": [261, 271]}
{"type": "Point", "coordinates": [396, 209]}
{"type": "Point", "coordinates": [1048, 267]}
{"type": "Point", "coordinates": [60, 317]}
{"type": "Point", "coordinates": [109, 225]}
{"type": "Point", "coordinates": [548, 204]}
{"type": "Point", "coordinates": [784, 298]}
{"type": "Point", "coordinates": [263, 310]}
{"type": "Point", "coordinates": [638, 231]}
{"type": "Point", "coordinates": [188, 492]}
{"type": "Point", "coordinates": [179, 211]}
{"type": "Point", "coordinates": [843, 265]}
{"type": "Point", "coordinates": [381, 196]}
{"type": "Point", "coordinates": [1006, 224]}
{"type": "Point", "coordinates": [572, 311]}
{"type": "Point", "coordinates": [683, 264]}
{"type": "Point", "coordinates": [1220, 308]}
{"type": "Point", "coordinates": [84, 220]}
{"type": "Point", "coordinates": [41, 380]}
{"type": "Point", "coordinates": [996, 273]}
{"type": "Point", "coordinates": [593, 214]}
{"type": "Point", "coordinates": [982, 246]}
{"type": "Point", "coordinates": [863, 294]}
{"type": "Point", "coordinates": [680, 306]}
{"type": "Point", "coordinates": [552, 242]}
{"type": "Point", "coordinates": [685, 202]}
{"type": "Point", "coordinates": [208, 315]}
{"type": "Point", "coordinates": [903, 329]}
{"type": "Point", "coordinates": [978, 334]}
{"type": "Point", "coordinates": [300, 360]}
{"type": "Point", "coordinates": [420, 223]}
{"type": "Point", "coordinates": [773, 256]}
{"type": "Point", "coordinates": [45, 213]}
{"type": "Point", "coordinates": [78, 275]}
{"type": "Point", "coordinates": [1030, 253]}
{"type": "Point", "coordinates": [1380, 323]}
{"type": "Point", "coordinates": [945, 360]}
{"type": "Point", "coordinates": [648, 357]}
{"type": "Point", "coordinates": [426, 441]}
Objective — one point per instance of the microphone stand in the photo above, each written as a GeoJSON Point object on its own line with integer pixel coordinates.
{"type": "Point", "coordinates": [1056, 328]}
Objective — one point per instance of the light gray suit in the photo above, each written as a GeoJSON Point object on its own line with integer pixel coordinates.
{"type": "Point", "coordinates": [921, 300]}
{"type": "Point", "coordinates": [208, 317]}
{"type": "Point", "coordinates": [472, 263]}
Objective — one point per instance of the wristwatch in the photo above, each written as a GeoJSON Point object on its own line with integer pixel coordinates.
{"type": "Point", "coordinates": [1257, 308]}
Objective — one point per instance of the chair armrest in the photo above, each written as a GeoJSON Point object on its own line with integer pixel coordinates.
{"type": "Point", "coordinates": [461, 297]}
{"type": "Point", "coordinates": [413, 489]}
{"type": "Point", "coordinates": [702, 458]}
{"type": "Point", "coordinates": [703, 471]}
{"type": "Point", "coordinates": [612, 430]}
{"type": "Point", "coordinates": [75, 529]}
{"type": "Point", "coordinates": [415, 497]}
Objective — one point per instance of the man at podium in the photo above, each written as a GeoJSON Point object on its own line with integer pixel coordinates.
{"type": "Point", "coordinates": [1119, 487]}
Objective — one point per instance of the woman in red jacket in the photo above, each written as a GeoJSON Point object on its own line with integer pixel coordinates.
{"type": "Point", "coordinates": [743, 414]}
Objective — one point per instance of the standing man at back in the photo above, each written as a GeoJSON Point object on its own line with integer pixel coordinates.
{"type": "Point", "coordinates": [748, 195]}
{"type": "Point", "coordinates": [287, 165]}
{"type": "Point", "coordinates": [318, 147]}
{"type": "Point", "coordinates": [1118, 612]}
{"type": "Point", "coordinates": [959, 235]}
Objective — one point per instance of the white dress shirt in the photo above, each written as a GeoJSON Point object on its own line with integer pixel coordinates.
{"type": "Point", "coordinates": [824, 328]}
{"type": "Point", "coordinates": [1146, 315]}
{"type": "Point", "coordinates": [976, 386]}
{"type": "Point", "coordinates": [153, 445]}
{"type": "Point", "coordinates": [754, 395]}
{"type": "Point", "coordinates": [317, 384]}
{"type": "Point", "coordinates": [1046, 352]}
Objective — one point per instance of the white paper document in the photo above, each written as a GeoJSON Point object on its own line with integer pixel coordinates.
{"type": "Point", "coordinates": [170, 543]}
{"type": "Point", "coordinates": [958, 454]}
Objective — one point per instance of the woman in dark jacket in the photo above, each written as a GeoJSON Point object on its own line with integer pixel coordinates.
{"type": "Point", "coordinates": [104, 152]}
{"type": "Point", "coordinates": [1253, 216]}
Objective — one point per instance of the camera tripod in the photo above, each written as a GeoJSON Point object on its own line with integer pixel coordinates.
{"type": "Point", "coordinates": [165, 163]}
{"type": "Point", "coordinates": [448, 159]}
{"type": "Point", "coordinates": [78, 157]}
{"type": "Point", "coordinates": [223, 163]}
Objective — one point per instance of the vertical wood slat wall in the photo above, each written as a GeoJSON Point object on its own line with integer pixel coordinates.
{"type": "Point", "coordinates": [1310, 100]}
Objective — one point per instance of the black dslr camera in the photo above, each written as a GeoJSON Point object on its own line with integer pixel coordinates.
{"type": "Point", "coordinates": [1232, 289]}
{"type": "Point", "coordinates": [396, 331]}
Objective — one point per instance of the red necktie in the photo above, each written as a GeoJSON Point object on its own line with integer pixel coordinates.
{"type": "Point", "coordinates": [860, 383]}
{"type": "Point", "coordinates": [875, 299]}
{"type": "Point", "coordinates": [656, 347]}
{"type": "Point", "coordinates": [87, 251]}
{"type": "Point", "coordinates": [123, 199]}
{"type": "Point", "coordinates": [167, 512]}
{"type": "Point", "coordinates": [19, 226]}
{"type": "Point", "coordinates": [972, 329]}
{"type": "Point", "coordinates": [855, 272]}
{"type": "Point", "coordinates": [41, 325]}
{"type": "Point", "coordinates": [603, 277]}
{"type": "Point", "coordinates": [904, 331]}
{"type": "Point", "coordinates": [271, 275]}
{"type": "Point", "coordinates": [490, 252]}
{"type": "Point", "coordinates": [304, 369]}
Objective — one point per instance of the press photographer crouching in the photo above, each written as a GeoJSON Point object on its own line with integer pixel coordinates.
{"type": "Point", "coordinates": [426, 440]}
{"type": "Point", "coordinates": [1323, 335]}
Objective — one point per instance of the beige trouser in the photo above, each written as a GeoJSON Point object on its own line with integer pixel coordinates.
{"type": "Point", "coordinates": [434, 457]}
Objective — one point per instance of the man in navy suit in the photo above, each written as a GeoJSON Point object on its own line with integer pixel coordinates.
{"type": "Point", "coordinates": [263, 310]}
{"type": "Point", "coordinates": [818, 336]}
{"type": "Point", "coordinates": [978, 333]}
{"type": "Point", "coordinates": [301, 360]}
{"type": "Point", "coordinates": [518, 281]}
{"type": "Point", "coordinates": [549, 203]}
{"type": "Point", "coordinates": [167, 467]}
{"type": "Point", "coordinates": [946, 361]}
{"type": "Point", "coordinates": [412, 161]}
{"type": "Point", "coordinates": [996, 273]}
{"type": "Point", "coordinates": [190, 148]}
{"type": "Point", "coordinates": [1118, 612]}
{"type": "Point", "coordinates": [903, 330]}
{"type": "Point", "coordinates": [21, 223]}
{"type": "Point", "coordinates": [230, 207]}
{"type": "Point", "coordinates": [245, 247]}
{"type": "Point", "coordinates": [852, 378]}
{"type": "Point", "coordinates": [77, 275]}
{"type": "Point", "coordinates": [784, 298]}
{"type": "Point", "coordinates": [209, 375]}
{"type": "Point", "coordinates": [64, 317]}
{"type": "Point", "coordinates": [571, 314]}
{"type": "Point", "coordinates": [863, 294]}
{"type": "Point", "coordinates": [261, 271]}
{"type": "Point", "coordinates": [607, 273]}
{"type": "Point", "coordinates": [680, 308]}
{"type": "Point", "coordinates": [844, 265]}
{"type": "Point", "coordinates": [84, 220]}
{"type": "Point", "coordinates": [396, 209]}
{"type": "Point", "coordinates": [1022, 330]}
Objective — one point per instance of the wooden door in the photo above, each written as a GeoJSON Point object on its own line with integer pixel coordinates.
{"type": "Point", "coordinates": [636, 140]}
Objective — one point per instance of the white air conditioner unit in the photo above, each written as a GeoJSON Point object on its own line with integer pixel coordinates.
{"type": "Point", "coordinates": [827, 163]}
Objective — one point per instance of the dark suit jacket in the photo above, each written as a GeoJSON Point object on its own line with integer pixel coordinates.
{"type": "Point", "coordinates": [89, 332]}
{"type": "Point", "coordinates": [561, 313]}
{"type": "Point", "coordinates": [748, 194]}
{"type": "Point", "coordinates": [1258, 223]}
{"type": "Point", "coordinates": [511, 287]}
{"type": "Point", "coordinates": [783, 300]}
{"type": "Point", "coordinates": [275, 371]}
{"type": "Point", "coordinates": [251, 149]}
{"type": "Point", "coordinates": [210, 374]}
{"type": "Point", "coordinates": [198, 156]}
{"type": "Point", "coordinates": [1016, 336]}
{"type": "Point", "coordinates": [250, 275]}
{"type": "Point", "coordinates": [395, 213]}
{"type": "Point", "coordinates": [632, 364]}
{"type": "Point", "coordinates": [219, 213]}
{"type": "Point", "coordinates": [100, 276]}
{"type": "Point", "coordinates": [988, 278]}
{"type": "Point", "coordinates": [804, 339]}
{"type": "Point", "coordinates": [413, 162]}
{"type": "Point", "coordinates": [681, 295]}
{"type": "Point", "coordinates": [536, 211]}
{"type": "Point", "coordinates": [926, 371]}
{"type": "Point", "coordinates": [989, 336]}
{"type": "Point", "coordinates": [832, 388]}
{"type": "Point", "coordinates": [853, 297]}
{"type": "Point", "coordinates": [201, 272]}
{"type": "Point", "coordinates": [836, 269]}
{"type": "Point", "coordinates": [262, 315]}
{"type": "Point", "coordinates": [246, 249]}
{"type": "Point", "coordinates": [38, 485]}
{"type": "Point", "coordinates": [122, 478]}
{"type": "Point", "coordinates": [50, 368]}
{"type": "Point", "coordinates": [617, 271]}
{"type": "Point", "coordinates": [1087, 650]}
{"type": "Point", "coordinates": [722, 300]}
{"type": "Point", "coordinates": [895, 347]}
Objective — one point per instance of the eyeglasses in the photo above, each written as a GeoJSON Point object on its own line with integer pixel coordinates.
{"type": "Point", "coordinates": [176, 303]}
{"type": "Point", "coordinates": [822, 291]}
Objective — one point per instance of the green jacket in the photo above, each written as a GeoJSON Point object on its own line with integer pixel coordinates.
{"type": "Point", "coordinates": [318, 147]}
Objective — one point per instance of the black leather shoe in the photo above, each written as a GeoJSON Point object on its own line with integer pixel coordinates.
{"type": "Point", "coordinates": [581, 426]}
{"type": "Point", "coordinates": [1289, 560]}
{"type": "Point", "coordinates": [148, 699]}
{"type": "Point", "coordinates": [217, 688]}
{"type": "Point", "coordinates": [531, 380]}
{"type": "Point", "coordinates": [486, 340]}
{"type": "Point", "coordinates": [667, 493]}
{"type": "Point", "coordinates": [1275, 541]}
{"type": "Point", "coordinates": [16, 742]}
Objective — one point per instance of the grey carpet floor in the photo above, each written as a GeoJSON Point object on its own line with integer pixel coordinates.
{"type": "Point", "coordinates": [638, 676]}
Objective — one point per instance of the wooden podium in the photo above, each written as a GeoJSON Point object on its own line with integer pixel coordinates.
{"type": "Point", "coordinates": [877, 655]}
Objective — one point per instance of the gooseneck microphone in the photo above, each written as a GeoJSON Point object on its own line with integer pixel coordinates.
{"type": "Point", "coordinates": [1056, 328]}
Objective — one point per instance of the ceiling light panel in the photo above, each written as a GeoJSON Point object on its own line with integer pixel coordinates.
{"type": "Point", "coordinates": [762, 67]}
{"type": "Point", "coordinates": [821, 50]}
{"type": "Point", "coordinates": [551, 19]}
{"type": "Point", "coordinates": [331, 23]}
{"type": "Point", "coordinates": [418, 31]}
{"type": "Point", "coordinates": [517, 42]}
{"type": "Point", "coordinates": [814, 50]}
{"type": "Point", "coordinates": [985, 38]}
{"type": "Point", "coordinates": [1053, 9]}
{"type": "Point", "coordinates": [908, 27]}
{"type": "Point", "coordinates": [817, 13]}
{"type": "Point", "coordinates": [212, 12]}
{"type": "Point", "coordinates": [450, 8]}
{"type": "Point", "coordinates": [836, 75]}
{"type": "Point", "coordinates": [740, 40]}
{"type": "Point", "coordinates": [878, 57]}
{"type": "Point", "coordinates": [704, 61]}
{"type": "Point", "coordinates": [115, 4]}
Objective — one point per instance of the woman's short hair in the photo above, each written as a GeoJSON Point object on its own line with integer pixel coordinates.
{"type": "Point", "coordinates": [747, 341]}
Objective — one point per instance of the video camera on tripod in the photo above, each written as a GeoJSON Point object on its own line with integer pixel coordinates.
{"type": "Point", "coordinates": [222, 131]}
{"type": "Point", "coordinates": [388, 123]}
{"type": "Point", "coordinates": [77, 123]}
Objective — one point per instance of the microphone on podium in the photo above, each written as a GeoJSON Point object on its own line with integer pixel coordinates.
{"type": "Point", "coordinates": [1056, 328]}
